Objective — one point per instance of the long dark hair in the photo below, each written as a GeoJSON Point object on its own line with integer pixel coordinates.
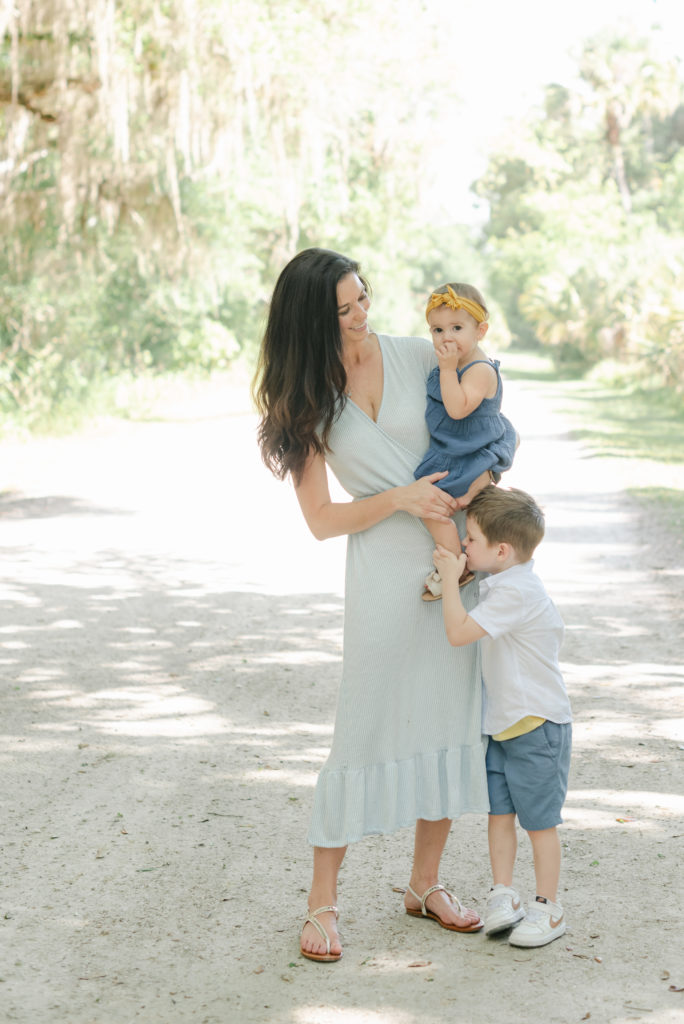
{"type": "Point", "coordinates": [299, 387]}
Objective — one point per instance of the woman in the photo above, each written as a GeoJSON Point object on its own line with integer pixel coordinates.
{"type": "Point", "coordinates": [407, 746]}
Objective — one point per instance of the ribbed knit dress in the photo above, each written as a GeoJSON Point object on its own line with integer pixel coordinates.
{"type": "Point", "coordinates": [407, 742]}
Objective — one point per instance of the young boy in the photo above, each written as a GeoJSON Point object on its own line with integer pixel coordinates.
{"type": "Point", "coordinates": [527, 712]}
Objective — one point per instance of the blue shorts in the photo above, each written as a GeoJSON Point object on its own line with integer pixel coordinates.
{"type": "Point", "coordinates": [528, 775]}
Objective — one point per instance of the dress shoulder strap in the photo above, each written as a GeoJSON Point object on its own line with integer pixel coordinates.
{"type": "Point", "coordinates": [494, 363]}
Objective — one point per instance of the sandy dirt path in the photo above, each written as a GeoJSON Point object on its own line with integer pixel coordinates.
{"type": "Point", "coordinates": [170, 651]}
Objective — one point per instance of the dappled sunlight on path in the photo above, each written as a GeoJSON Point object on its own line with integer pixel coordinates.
{"type": "Point", "coordinates": [170, 641]}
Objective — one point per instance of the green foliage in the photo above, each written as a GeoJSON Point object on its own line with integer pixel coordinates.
{"type": "Point", "coordinates": [45, 352]}
{"type": "Point", "coordinates": [158, 173]}
{"type": "Point", "coordinates": [585, 236]}
{"type": "Point", "coordinates": [162, 169]}
{"type": "Point", "coordinates": [629, 420]}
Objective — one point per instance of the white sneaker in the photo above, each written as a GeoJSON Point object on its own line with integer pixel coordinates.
{"type": "Point", "coordinates": [543, 923]}
{"type": "Point", "coordinates": [504, 909]}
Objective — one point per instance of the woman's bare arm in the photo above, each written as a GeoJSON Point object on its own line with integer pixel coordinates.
{"type": "Point", "coordinates": [326, 518]}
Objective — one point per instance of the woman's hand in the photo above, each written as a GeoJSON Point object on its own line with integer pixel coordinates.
{"type": "Point", "coordinates": [448, 565]}
{"type": "Point", "coordinates": [426, 501]}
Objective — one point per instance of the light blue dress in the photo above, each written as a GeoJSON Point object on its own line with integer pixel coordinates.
{"type": "Point", "coordinates": [407, 741]}
{"type": "Point", "coordinates": [468, 447]}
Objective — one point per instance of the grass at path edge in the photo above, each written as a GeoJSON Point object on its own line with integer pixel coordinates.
{"type": "Point", "coordinates": [621, 420]}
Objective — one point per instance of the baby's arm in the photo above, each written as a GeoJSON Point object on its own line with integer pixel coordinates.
{"type": "Point", "coordinates": [460, 628]}
{"type": "Point", "coordinates": [462, 397]}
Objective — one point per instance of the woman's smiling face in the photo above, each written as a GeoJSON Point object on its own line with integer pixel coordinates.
{"type": "Point", "coordinates": [352, 309]}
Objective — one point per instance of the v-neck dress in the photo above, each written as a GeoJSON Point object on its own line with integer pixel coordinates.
{"type": "Point", "coordinates": [407, 742]}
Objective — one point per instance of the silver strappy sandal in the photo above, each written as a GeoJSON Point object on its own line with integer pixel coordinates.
{"type": "Point", "coordinates": [460, 909]}
{"type": "Point", "coordinates": [312, 918]}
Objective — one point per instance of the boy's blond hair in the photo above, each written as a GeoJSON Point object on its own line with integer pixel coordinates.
{"type": "Point", "coordinates": [507, 515]}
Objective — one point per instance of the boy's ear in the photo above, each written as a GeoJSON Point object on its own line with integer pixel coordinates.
{"type": "Point", "coordinates": [503, 550]}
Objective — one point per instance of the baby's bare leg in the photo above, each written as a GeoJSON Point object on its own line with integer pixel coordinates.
{"type": "Point", "coordinates": [483, 480]}
{"type": "Point", "coordinates": [445, 534]}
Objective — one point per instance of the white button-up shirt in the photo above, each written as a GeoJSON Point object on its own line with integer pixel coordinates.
{"type": "Point", "coordinates": [520, 667]}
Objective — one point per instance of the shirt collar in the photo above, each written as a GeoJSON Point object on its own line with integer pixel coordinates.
{"type": "Point", "coordinates": [495, 578]}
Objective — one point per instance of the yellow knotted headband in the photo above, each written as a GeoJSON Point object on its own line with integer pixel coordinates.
{"type": "Point", "coordinates": [454, 301]}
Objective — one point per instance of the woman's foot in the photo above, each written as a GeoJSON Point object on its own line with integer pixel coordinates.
{"type": "Point", "coordinates": [320, 939]}
{"type": "Point", "coordinates": [443, 907]}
